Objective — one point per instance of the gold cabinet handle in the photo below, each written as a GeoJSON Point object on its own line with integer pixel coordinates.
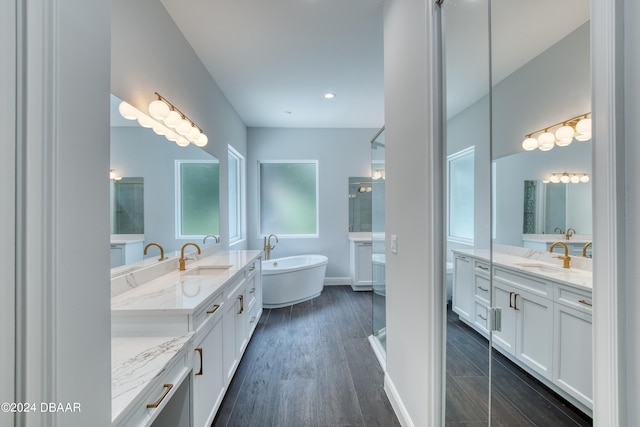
{"type": "Point", "coordinates": [483, 289]}
{"type": "Point", "coordinates": [482, 267]}
{"type": "Point", "coordinates": [510, 299]}
{"type": "Point", "coordinates": [252, 290]}
{"type": "Point", "coordinates": [213, 310]}
{"type": "Point", "coordinates": [253, 319]}
{"type": "Point", "coordinates": [482, 317]}
{"type": "Point", "coordinates": [585, 302]}
{"type": "Point", "coordinates": [157, 403]}
{"type": "Point", "coordinates": [241, 298]}
{"type": "Point", "coordinates": [199, 350]}
{"type": "Point", "coordinates": [515, 301]}
{"type": "Point", "coordinates": [252, 268]}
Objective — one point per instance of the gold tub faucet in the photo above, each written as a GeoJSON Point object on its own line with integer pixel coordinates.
{"type": "Point", "coordinates": [566, 258]}
{"type": "Point", "coordinates": [182, 263]}
{"type": "Point", "coordinates": [267, 245]}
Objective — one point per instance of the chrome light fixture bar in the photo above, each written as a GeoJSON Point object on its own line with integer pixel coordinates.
{"type": "Point", "coordinates": [578, 127]}
{"type": "Point", "coordinates": [166, 119]}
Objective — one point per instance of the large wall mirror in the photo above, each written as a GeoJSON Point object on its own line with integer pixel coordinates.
{"type": "Point", "coordinates": [157, 181]}
{"type": "Point", "coordinates": [360, 189]}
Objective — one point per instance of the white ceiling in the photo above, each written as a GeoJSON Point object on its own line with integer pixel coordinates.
{"type": "Point", "coordinates": [274, 59]}
{"type": "Point", "coordinates": [270, 57]}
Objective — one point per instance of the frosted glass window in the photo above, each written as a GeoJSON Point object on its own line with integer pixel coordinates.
{"type": "Point", "coordinates": [198, 204]}
{"type": "Point", "coordinates": [289, 198]}
{"type": "Point", "coordinates": [461, 195]}
{"type": "Point", "coordinates": [236, 196]}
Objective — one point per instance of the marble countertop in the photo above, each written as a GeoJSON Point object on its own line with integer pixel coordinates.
{"type": "Point", "coordinates": [550, 238]}
{"type": "Point", "coordinates": [135, 361]}
{"type": "Point", "coordinates": [360, 236]}
{"type": "Point", "coordinates": [117, 239]}
{"type": "Point", "coordinates": [180, 292]}
{"type": "Point", "coordinates": [525, 261]}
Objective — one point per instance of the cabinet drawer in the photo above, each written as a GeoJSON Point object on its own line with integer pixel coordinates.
{"type": "Point", "coordinates": [158, 393]}
{"type": "Point", "coordinates": [231, 289]}
{"type": "Point", "coordinates": [481, 288]}
{"type": "Point", "coordinates": [253, 268]}
{"type": "Point", "coordinates": [575, 298]}
{"type": "Point", "coordinates": [481, 318]}
{"type": "Point", "coordinates": [252, 318]}
{"type": "Point", "coordinates": [528, 283]}
{"type": "Point", "coordinates": [211, 309]}
{"type": "Point", "coordinates": [481, 267]}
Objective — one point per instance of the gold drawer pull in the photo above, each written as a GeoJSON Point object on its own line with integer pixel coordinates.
{"type": "Point", "coordinates": [482, 317]}
{"type": "Point", "coordinates": [199, 350]}
{"type": "Point", "coordinates": [252, 268]}
{"type": "Point", "coordinates": [585, 302]}
{"type": "Point", "coordinates": [215, 307]}
{"type": "Point", "coordinates": [482, 267]}
{"type": "Point", "coordinates": [253, 319]}
{"type": "Point", "coordinates": [252, 290]}
{"type": "Point", "coordinates": [157, 403]}
{"type": "Point", "coordinates": [483, 289]}
{"type": "Point", "coordinates": [241, 298]}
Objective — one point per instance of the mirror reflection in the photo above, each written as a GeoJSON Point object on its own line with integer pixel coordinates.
{"type": "Point", "coordinates": [360, 204]}
{"type": "Point", "coordinates": [169, 179]}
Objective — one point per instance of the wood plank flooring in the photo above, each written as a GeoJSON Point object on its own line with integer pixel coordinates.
{"type": "Point", "coordinates": [310, 365]}
{"type": "Point", "coordinates": [517, 398]}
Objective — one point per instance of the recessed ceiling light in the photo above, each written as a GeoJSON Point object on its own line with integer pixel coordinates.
{"type": "Point", "coordinates": [329, 95]}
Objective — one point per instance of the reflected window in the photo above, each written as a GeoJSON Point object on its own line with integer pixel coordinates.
{"type": "Point", "coordinates": [288, 198]}
{"type": "Point", "coordinates": [460, 195]}
{"type": "Point", "coordinates": [197, 198]}
{"type": "Point", "coordinates": [237, 191]}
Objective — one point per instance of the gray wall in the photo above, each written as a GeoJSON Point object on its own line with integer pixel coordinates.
{"type": "Point", "coordinates": [138, 152]}
{"type": "Point", "coordinates": [341, 153]}
{"type": "Point", "coordinates": [149, 54]}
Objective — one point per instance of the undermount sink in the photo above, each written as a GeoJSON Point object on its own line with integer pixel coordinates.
{"type": "Point", "coordinates": [207, 270]}
{"type": "Point", "coordinates": [542, 268]}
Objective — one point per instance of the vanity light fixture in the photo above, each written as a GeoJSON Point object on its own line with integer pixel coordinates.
{"type": "Point", "coordinates": [566, 178]}
{"type": "Point", "coordinates": [114, 176]}
{"type": "Point", "coordinates": [578, 127]}
{"type": "Point", "coordinates": [167, 120]}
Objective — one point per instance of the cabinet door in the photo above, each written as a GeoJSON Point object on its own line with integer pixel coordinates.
{"type": "Point", "coordinates": [463, 288]}
{"type": "Point", "coordinates": [208, 375]}
{"type": "Point", "coordinates": [573, 353]}
{"type": "Point", "coordinates": [534, 322]}
{"type": "Point", "coordinates": [233, 331]}
{"type": "Point", "coordinates": [505, 338]}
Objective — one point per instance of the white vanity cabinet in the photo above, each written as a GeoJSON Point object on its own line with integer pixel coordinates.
{"type": "Point", "coordinates": [361, 269]}
{"type": "Point", "coordinates": [462, 300]}
{"type": "Point", "coordinates": [573, 344]}
{"type": "Point", "coordinates": [234, 335]}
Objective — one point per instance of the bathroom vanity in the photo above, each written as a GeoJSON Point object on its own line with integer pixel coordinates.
{"type": "Point", "coordinates": [360, 253]}
{"type": "Point", "coordinates": [178, 337]}
{"type": "Point", "coordinates": [546, 314]}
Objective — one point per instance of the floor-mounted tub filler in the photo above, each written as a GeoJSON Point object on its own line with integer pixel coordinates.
{"type": "Point", "coordinates": [290, 280]}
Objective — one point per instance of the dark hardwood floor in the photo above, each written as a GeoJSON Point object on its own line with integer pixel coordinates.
{"type": "Point", "coordinates": [517, 398]}
{"type": "Point", "coordinates": [310, 365]}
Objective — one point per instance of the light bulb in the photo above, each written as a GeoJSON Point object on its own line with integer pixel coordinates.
{"type": "Point", "coordinates": [530, 144]}
{"type": "Point", "coordinates": [585, 178]}
{"type": "Point", "coordinates": [158, 109]}
{"type": "Point", "coordinates": [184, 127]}
{"type": "Point", "coordinates": [584, 137]}
{"type": "Point", "coordinates": [193, 134]}
{"type": "Point", "coordinates": [173, 119]}
{"type": "Point", "coordinates": [172, 136]}
{"type": "Point", "coordinates": [546, 180]}
{"type": "Point", "coordinates": [574, 179]}
{"type": "Point", "coordinates": [159, 129]}
{"type": "Point", "coordinates": [202, 140]}
{"type": "Point", "coordinates": [128, 111]}
{"type": "Point", "coordinates": [182, 141]}
{"type": "Point", "coordinates": [564, 133]}
{"type": "Point", "coordinates": [584, 126]}
{"type": "Point", "coordinates": [145, 121]}
{"type": "Point", "coordinates": [565, 178]}
{"type": "Point", "coordinates": [546, 141]}
{"type": "Point", "coordinates": [554, 178]}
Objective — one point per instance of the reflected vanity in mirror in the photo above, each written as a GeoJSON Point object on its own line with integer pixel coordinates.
{"type": "Point", "coordinates": [359, 204]}
{"type": "Point", "coordinates": [172, 197]}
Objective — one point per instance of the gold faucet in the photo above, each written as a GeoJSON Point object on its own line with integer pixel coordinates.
{"type": "Point", "coordinates": [585, 247]}
{"type": "Point", "coordinates": [182, 264]}
{"type": "Point", "coordinates": [267, 245]}
{"type": "Point", "coordinates": [216, 238]}
{"type": "Point", "coordinates": [570, 232]}
{"type": "Point", "coordinates": [559, 230]}
{"type": "Point", "coordinates": [162, 258]}
{"type": "Point", "coordinates": [566, 258]}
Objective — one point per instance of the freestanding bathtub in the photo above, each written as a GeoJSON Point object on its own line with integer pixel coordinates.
{"type": "Point", "coordinates": [290, 280]}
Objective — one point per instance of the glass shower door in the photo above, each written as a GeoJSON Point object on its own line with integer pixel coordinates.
{"type": "Point", "coordinates": [377, 240]}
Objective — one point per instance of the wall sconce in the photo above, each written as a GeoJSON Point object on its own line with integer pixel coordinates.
{"type": "Point", "coordinates": [167, 120]}
{"type": "Point", "coordinates": [114, 176]}
{"type": "Point", "coordinates": [578, 127]}
{"type": "Point", "coordinates": [566, 178]}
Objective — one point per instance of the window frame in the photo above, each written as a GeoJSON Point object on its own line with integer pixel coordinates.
{"type": "Point", "coordinates": [260, 234]}
{"type": "Point", "coordinates": [240, 234]}
{"type": "Point", "coordinates": [469, 151]}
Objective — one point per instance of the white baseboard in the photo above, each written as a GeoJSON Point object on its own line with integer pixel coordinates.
{"type": "Point", "coordinates": [337, 281]}
{"type": "Point", "coordinates": [379, 352]}
{"type": "Point", "coordinates": [396, 403]}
